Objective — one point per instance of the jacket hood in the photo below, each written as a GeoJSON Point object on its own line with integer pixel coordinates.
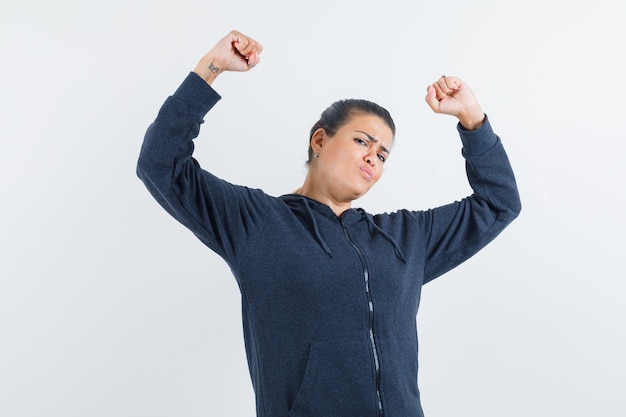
{"type": "Point", "coordinates": [313, 208]}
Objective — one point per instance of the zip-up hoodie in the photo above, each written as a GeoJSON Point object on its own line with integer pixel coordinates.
{"type": "Point", "coordinates": [329, 302]}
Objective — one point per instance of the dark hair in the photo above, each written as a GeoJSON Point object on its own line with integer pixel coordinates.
{"type": "Point", "coordinates": [339, 113]}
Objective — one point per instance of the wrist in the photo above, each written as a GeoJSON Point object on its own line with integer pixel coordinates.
{"type": "Point", "coordinates": [473, 119]}
{"type": "Point", "coordinates": [208, 69]}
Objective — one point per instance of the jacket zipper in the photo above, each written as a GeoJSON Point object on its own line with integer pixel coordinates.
{"type": "Point", "coordinates": [370, 305]}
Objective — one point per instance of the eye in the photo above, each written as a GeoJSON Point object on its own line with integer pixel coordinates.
{"type": "Point", "coordinates": [382, 157]}
{"type": "Point", "coordinates": [360, 141]}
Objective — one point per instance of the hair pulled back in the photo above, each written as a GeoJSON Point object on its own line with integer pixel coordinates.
{"type": "Point", "coordinates": [339, 113]}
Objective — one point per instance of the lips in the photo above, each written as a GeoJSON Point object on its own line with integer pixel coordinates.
{"type": "Point", "coordinates": [367, 173]}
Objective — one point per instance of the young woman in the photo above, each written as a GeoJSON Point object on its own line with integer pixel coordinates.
{"type": "Point", "coordinates": [330, 293]}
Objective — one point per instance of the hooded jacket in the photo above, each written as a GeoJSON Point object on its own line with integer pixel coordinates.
{"type": "Point", "coordinates": [329, 302]}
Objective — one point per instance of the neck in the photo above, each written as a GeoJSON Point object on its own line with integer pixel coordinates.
{"type": "Point", "coordinates": [324, 195]}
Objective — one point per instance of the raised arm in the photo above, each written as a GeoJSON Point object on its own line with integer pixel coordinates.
{"type": "Point", "coordinates": [458, 230]}
{"type": "Point", "coordinates": [222, 215]}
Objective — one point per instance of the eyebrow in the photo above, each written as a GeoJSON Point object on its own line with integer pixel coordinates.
{"type": "Point", "coordinates": [374, 140]}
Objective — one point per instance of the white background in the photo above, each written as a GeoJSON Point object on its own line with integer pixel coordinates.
{"type": "Point", "coordinates": [108, 307]}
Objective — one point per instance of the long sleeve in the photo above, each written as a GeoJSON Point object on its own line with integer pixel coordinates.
{"type": "Point", "coordinates": [224, 216]}
{"type": "Point", "coordinates": [456, 231]}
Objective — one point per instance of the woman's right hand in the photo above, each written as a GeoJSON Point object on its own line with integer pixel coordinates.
{"type": "Point", "coordinates": [234, 52]}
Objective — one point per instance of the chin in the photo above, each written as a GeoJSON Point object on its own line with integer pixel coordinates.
{"type": "Point", "coordinates": [359, 194]}
{"type": "Point", "coordinates": [354, 193]}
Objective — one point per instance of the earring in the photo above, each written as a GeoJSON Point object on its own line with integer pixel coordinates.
{"type": "Point", "coordinates": [316, 155]}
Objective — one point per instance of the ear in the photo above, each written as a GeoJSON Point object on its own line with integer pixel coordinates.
{"type": "Point", "coordinates": [318, 140]}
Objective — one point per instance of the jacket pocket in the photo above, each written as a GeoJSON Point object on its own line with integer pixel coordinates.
{"type": "Point", "coordinates": [339, 381]}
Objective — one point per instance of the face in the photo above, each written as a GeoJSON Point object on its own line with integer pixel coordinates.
{"type": "Point", "coordinates": [352, 160]}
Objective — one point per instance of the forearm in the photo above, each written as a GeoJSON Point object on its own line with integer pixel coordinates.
{"type": "Point", "coordinates": [489, 170]}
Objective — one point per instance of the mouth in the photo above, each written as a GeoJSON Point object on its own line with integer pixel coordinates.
{"type": "Point", "coordinates": [367, 174]}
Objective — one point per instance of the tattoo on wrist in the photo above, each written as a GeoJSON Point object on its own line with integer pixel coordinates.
{"type": "Point", "coordinates": [213, 68]}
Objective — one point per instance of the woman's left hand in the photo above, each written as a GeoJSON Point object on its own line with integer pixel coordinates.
{"type": "Point", "coordinates": [450, 95]}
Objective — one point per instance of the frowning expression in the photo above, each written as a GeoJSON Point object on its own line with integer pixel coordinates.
{"type": "Point", "coordinates": [351, 161]}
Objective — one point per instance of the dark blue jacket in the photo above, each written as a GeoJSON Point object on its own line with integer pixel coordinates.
{"type": "Point", "coordinates": [329, 303]}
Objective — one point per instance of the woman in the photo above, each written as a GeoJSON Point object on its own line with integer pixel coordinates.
{"type": "Point", "coordinates": [330, 293]}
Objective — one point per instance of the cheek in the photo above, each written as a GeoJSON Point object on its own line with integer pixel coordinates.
{"type": "Point", "coordinates": [378, 176]}
{"type": "Point", "coordinates": [332, 167]}
{"type": "Point", "coordinates": [339, 159]}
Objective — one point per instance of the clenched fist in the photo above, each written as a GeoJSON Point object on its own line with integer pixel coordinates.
{"type": "Point", "coordinates": [449, 95]}
{"type": "Point", "coordinates": [234, 52]}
